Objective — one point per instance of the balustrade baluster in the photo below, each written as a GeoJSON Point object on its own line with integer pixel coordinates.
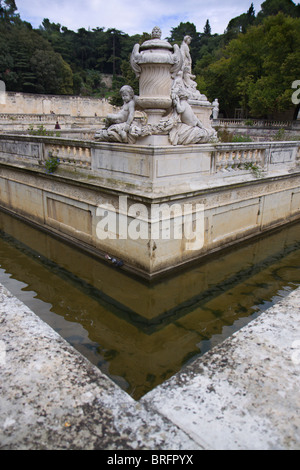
{"type": "Point", "coordinates": [230, 161]}
{"type": "Point", "coordinates": [223, 161]}
{"type": "Point", "coordinates": [242, 159]}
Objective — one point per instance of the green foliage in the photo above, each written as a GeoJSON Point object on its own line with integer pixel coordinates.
{"type": "Point", "coordinates": [97, 50]}
{"type": "Point", "coordinates": [241, 138]}
{"type": "Point", "coordinates": [255, 170]}
{"type": "Point", "coordinates": [225, 136]}
{"type": "Point", "coordinates": [56, 60]}
{"type": "Point", "coordinates": [251, 66]}
{"type": "Point", "coordinates": [186, 29]}
{"type": "Point", "coordinates": [273, 7]}
{"type": "Point", "coordinates": [41, 130]}
{"type": "Point", "coordinates": [29, 64]}
{"type": "Point", "coordinates": [241, 23]}
{"type": "Point", "coordinates": [207, 28]}
{"type": "Point", "coordinates": [8, 10]}
{"type": "Point", "coordinates": [280, 135]}
{"type": "Point", "coordinates": [127, 78]}
{"type": "Point", "coordinates": [255, 70]}
{"type": "Point", "coordinates": [51, 163]}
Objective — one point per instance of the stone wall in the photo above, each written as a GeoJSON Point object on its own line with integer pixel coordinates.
{"type": "Point", "coordinates": [25, 103]}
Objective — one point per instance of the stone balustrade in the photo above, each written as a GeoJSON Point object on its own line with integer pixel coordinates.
{"type": "Point", "coordinates": [30, 118]}
{"type": "Point", "coordinates": [160, 166]}
{"type": "Point", "coordinates": [35, 150]}
{"type": "Point", "coordinates": [264, 123]}
{"type": "Point", "coordinates": [251, 156]}
{"type": "Point", "coordinates": [14, 123]}
{"type": "Point", "coordinates": [239, 159]}
{"type": "Point", "coordinates": [71, 155]}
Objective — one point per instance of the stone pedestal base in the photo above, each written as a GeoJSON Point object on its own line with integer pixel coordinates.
{"type": "Point", "coordinates": [203, 111]}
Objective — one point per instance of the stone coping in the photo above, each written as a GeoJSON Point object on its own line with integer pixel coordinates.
{"type": "Point", "coordinates": [243, 394]}
{"type": "Point", "coordinates": [148, 148]}
{"type": "Point", "coordinates": [53, 398]}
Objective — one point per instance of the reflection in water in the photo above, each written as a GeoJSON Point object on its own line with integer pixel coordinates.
{"type": "Point", "coordinates": [141, 334]}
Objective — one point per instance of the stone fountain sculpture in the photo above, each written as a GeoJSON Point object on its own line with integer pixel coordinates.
{"type": "Point", "coordinates": [176, 112]}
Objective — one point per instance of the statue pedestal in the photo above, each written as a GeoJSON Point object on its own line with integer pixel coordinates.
{"type": "Point", "coordinates": [155, 115]}
{"type": "Point", "coordinates": [203, 111]}
{"type": "Point", "coordinates": [203, 190]}
{"type": "Point", "coordinates": [155, 140]}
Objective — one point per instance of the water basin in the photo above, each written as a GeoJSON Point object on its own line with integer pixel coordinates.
{"type": "Point", "coordinates": [140, 334]}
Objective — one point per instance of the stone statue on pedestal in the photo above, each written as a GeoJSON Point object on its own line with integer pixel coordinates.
{"type": "Point", "coordinates": [215, 111]}
{"type": "Point", "coordinates": [119, 125]}
{"type": "Point", "coordinates": [185, 52]}
{"type": "Point", "coordinates": [167, 91]}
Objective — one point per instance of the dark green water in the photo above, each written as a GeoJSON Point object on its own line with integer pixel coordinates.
{"type": "Point", "coordinates": [138, 334]}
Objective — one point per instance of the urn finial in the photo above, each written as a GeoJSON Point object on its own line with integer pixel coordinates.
{"type": "Point", "coordinates": [156, 33]}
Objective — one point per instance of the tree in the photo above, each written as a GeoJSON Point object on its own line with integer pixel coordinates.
{"type": "Point", "coordinates": [53, 74]}
{"type": "Point", "coordinates": [187, 29]}
{"type": "Point", "coordinates": [251, 14]}
{"type": "Point", "coordinates": [207, 28]}
{"type": "Point", "coordinates": [29, 63]}
{"type": "Point", "coordinates": [241, 23]}
{"type": "Point", "coordinates": [8, 10]}
{"type": "Point", "coordinates": [273, 7]}
{"type": "Point", "coordinates": [257, 68]}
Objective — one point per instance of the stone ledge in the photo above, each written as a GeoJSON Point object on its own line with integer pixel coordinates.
{"type": "Point", "coordinates": [53, 398]}
{"type": "Point", "coordinates": [244, 393]}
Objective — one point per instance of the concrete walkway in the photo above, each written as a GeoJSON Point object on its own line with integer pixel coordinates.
{"type": "Point", "coordinates": [244, 394]}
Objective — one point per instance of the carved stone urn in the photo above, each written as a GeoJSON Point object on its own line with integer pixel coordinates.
{"type": "Point", "coordinates": [155, 63]}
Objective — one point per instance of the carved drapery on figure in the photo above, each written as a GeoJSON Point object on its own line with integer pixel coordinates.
{"type": "Point", "coordinates": [166, 85]}
{"type": "Point", "coordinates": [215, 111]}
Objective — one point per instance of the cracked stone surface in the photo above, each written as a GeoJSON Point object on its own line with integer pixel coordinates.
{"type": "Point", "coordinates": [53, 398]}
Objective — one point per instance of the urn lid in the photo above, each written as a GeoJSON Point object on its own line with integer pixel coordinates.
{"type": "Point", "coordinates": [156, 42]}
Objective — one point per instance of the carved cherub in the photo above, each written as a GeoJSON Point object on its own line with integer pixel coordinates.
{"type": "Point", "coordinates": [118, 124]}
{"type": "Point", "coordinates": [184, 109]}
{"type": "Point", "coordinates": [126, 114]}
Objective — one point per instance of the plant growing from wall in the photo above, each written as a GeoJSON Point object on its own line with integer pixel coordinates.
{"type": "Point", "coordinates": [255, 170]}
{"type": "Point", "coordinates": [280, 135]}
{"type": "Point", "coordinates": [41, 130]}
{"type": "Point", "coordinates": [225, 136]}
{"type": "Point", "coordinates": [51, 163]}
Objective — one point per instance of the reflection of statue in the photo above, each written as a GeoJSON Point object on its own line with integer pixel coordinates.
{"type": "Point", "coordinates": [118, 125]}
{"type": "Point", "coordinates": [215, 110]}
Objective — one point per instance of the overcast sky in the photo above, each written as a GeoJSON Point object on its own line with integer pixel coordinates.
{"type": "Point", "coordinates": [134, 17]}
